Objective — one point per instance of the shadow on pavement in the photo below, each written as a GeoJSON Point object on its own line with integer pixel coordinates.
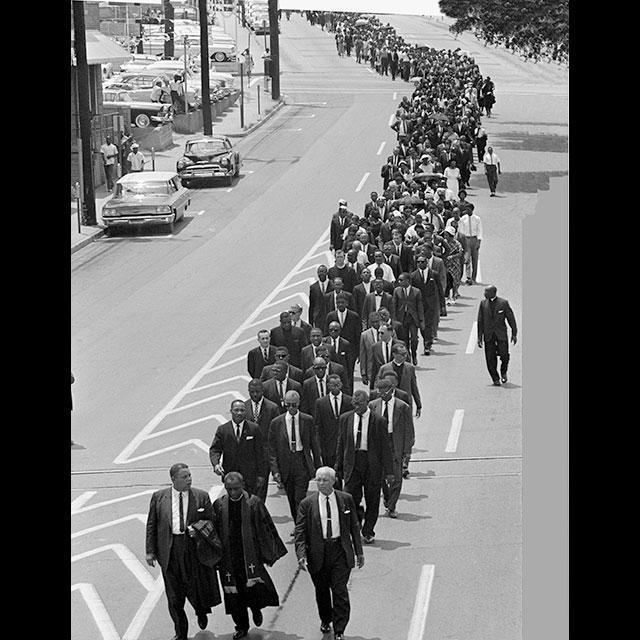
{"type": "Point", "coordinates": [520, 141]}
{"type": "Point", "coordinates": [412, 498]}
{"type": "Point", "coordinates": [389, 545]}
{"type": "Point", "coordinates": [411, 517]}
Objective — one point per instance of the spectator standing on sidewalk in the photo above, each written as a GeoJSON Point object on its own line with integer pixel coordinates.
{"type": "Point", "coordinates": [109, 154]}
{"type": "Point", "coordinates": [136, 159]}
{"type": "Point", "coordinates": [491, 169]}
{"type": "Point", "coordinates": [176, 87]}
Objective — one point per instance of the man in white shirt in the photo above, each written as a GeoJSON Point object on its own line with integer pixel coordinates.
{"type": "Point", "coordinates": [470, 228]}
{"type": "Point", "coordinates": [491, 169]}
{"type": "Point", "coordinates": [387, 271]}
{"type": "Point", "coordinates": [135, 159]}
{"type": "Point", "coordinates": [109, 155]}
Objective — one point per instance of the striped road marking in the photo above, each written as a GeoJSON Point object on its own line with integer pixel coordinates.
{"type": "Point", "coordinates": [361, 183]}
{"type": "Point", "coordinates": [421, 606]}
{"type": "Point", "coordinates": [454, 433]}
{"type": "Point", "coordinates": [473, 338]}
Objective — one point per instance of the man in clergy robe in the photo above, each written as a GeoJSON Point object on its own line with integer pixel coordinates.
{"type": "Point", "coordinates": [249, 541]}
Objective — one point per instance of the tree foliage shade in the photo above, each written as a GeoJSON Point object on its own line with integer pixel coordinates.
{"type": "Point", "coordinates": [535, 29]}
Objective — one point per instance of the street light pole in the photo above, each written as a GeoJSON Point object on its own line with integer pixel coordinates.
{"type": "Point", "coordinates": [274, 40]}
{"type": "Point", "coordinates": [84, 112]}
{"type": "Point", "coordinates": [185, 40]}
{"type": "Point", "coordinates": [207, 122]}
{"type": "Point", "coordinates": [169, 47]}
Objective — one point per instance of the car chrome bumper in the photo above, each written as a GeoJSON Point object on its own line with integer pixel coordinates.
{"type": "Point", "coordinates": [161, 218]}
{"type": "Point", "coordinates": [192, 174]}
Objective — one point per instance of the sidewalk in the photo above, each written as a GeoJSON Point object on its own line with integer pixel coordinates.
{"type": "Point", "coordinates": [227, 124]}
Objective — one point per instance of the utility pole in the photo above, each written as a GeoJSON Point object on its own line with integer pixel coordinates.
{"type": "Point", "coordinates": [207, 122]}
{"type": "Point", "coordinates": [274, 40]}
{"type": "Point", "coordinates": [84, 109]}
{"type": "Point", "coordinates": [169, 49]}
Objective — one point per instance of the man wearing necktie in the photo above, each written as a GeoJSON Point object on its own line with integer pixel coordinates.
{"type": "Point", "coordinates": [262, 356]}
{"type": "Point", "coordinates": [174, 515]}
{"type": "Point", "coordinates": [276, 387]}
{"type": "Point", "coordinates": [380, 353]}
{"type": "Point", "coordinates": [401, 435]}
{"type": "Point", "coordinates": [362, 458]}
{"type": "Point", "coordinates": [327, 539]}
{"type": "Point", "coordinates": [314, 387]}
{"type": "Point", "coordinates": [294, 454]}
{"type": "Point", "coordinates": [238, 446]}
{"type": "Point", "coordinates": [433, 301]}
{"type": "Point", "coordinates": [317, 292]}
{"type": "Point", "coordinates": [262, 411]}
{"type": "Point", "coordinates": [368, 339]}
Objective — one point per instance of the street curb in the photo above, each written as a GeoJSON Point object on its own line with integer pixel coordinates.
{"type": "Point", "coordinates": [258, 124]}
{"type": "Point", "coordinates": [84, 242]}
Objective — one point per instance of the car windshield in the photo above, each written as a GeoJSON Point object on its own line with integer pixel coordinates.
{"type": "Point", "coordinates": [208, 146]}
{"type": "Point", "coordinates": [151, 188]}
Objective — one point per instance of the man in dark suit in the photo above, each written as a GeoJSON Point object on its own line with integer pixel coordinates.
{"type": "Point", "coordinates": [317, 291]}
{"type": "Point", "coordinates": [294, 454]}
{"type": "Point", "coordinates": [339, 222]}
{"type": "Point", "coordinates": [378, 273]}
{"type": "Point", "coordinates": [343, 350]}
{"type": "Point", "coordinates": [262, 411]}
{"type": "Point", "coordinates": [368, 339]}
{"type": "Point", "coordinates": [376, 299]}
{"type": "Point", "coordinates": [406, 374]}
{"type": "Point", "coordinates": [310, 352]}
{"type": "Point", "coordinates": [401, 435]}
{"type": "Point", "coordinates": [325, 351]}
{"type": "Point", "coordinates": [394, 326]}
{"type": "Point", "coordinates": [262, 356]}
{"type": "Point", "coordinates": [433, 300]}
{"type": "Point", "coordinates": [362, 457]}
{"type": "Point", "coordinates": [393, 381]}
{"type": "Point", "coordinates": [380, 355]}
{"type": "Point", "coordinates": [327, 416]}
{"type": "Point", "coordinates": [409, 311]}
{"type": "Point", "coordinates": [170, 542]}
{"type": "Point", "coordinates": [296, 319]}
{"type": "Point", "coordinates": [314, 387]}
{"type": "Point", "coordinates": [276, 387]}
{"type": "Point", "coordinates": [327, 539]}
{"type": "Point", "coordinates": [237, 446]}
{"type": "Point", "coordinates": [342, 269]}
{"type": "Point", "coordinates": [360, 292]}
{"type": "Point", "coordinates": [391, 259]}
{"type": "Point", "coordinates": [350, 327]}
{"type": "Point", "coordinates": [282, 355]}
{"type": "Point", "coordinates": [330, 298]}
{"type": "Point", "coordinates": [288, 336]}
{"type": "Point", "coordinates": [493, 313]}
{"type": "Point", "coordinates": [371, 206]}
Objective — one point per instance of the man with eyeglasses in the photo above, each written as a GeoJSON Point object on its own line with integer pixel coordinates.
{"type": "Point", "coordinates": [310, 352]}
{"type": "Point", "coordinates": [286, 335]}
{"type": "Point", "coordinates": [294, 454]}
{"type": "Point", "coordinates": [368, 338]}
{"type": "Point", "coordinates": [314, 387]}
{"type": "Point", "coordinates": [276, 387]}
{"type": "Point", "coordinates": [342, 349]}
{"type": "Point", "coordinates": [362, 458]}
{"type": "Point", "coordinates": [376, 299]}
{"type": "Point", "coordinates": [333, 368]}
{"type": "Point", "coordinates": [282, 355]}
{"type": "Point", "coordinates": [380, 355]}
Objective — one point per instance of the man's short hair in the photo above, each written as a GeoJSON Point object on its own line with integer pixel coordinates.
{"type": "Point", "coordinates": [233, 476]}
{"type": "Point", "coordinates": [285, 314]}
{"type": "Point", "coordinates": [263, 331]}
{"type": "Point", "coordinates": [391, 374]}
{"type": "Point", "coordinates": [398, 346]}
{"type": "Point", "coordinates": [176, 467]}
{"type": "Point", "coordinates": [330, 471]}
{"type": "Point", "coordinates": [334, 376]}
{"type": "Point", "coordinates": [359, 393]}
{"type": "Point", "coordinates": [282, 349]}
{"type": "Point", "coordinates": [255, 382]}
{"type": "Point", "coordinates": [341, 296]}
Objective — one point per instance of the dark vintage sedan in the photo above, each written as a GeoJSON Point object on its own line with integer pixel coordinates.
{"type": "Point", "coordinates": [208, 157]}
{"type": "Point", "coordinates": [148, 198]}
{"type": "Point", "coordinates": [143, 114]}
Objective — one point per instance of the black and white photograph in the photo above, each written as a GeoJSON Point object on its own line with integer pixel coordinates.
{"type": "Point", "coordinates": [310, 253]}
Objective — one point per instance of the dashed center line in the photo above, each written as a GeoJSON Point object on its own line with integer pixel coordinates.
{"type": "Point", "coordinates": [391, 117]}
{"type": "Point", "coordinates": [454, 433]}
{"type": "Point", "coordinates": [473, 338]}
{"type": "Point", "coordinates": [380, 148]}
{"type": "Point", "coordinates": [421, 606]}
{"type": "Point", "coordinates": [395, 95]}
{"type": "Point", "coordinates": [361, 183]}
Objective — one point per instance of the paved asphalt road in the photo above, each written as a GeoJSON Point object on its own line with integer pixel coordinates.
{"type": "Point", "coordinates": [161, 326]}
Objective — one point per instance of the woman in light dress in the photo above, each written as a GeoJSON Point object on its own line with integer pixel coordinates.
{"type": "Point", "coordinates": [452, 176]}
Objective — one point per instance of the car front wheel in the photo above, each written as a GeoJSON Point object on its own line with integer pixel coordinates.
{"type": "Point", "coordinates": [218, 56]}
{"type": "Point", "coordinates": [142, 120]}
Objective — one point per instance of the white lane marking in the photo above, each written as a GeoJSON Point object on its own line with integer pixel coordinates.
{"type": "Point", "coordinates": [454, 433]}
{"type": "Point", "coordinates": [213, 384]}
{"type": "Point", "coordinates": [273, 129]}
{"type": "Point", "coordinates": [77, 507]}
{"type": "Point", "coordinates": [313, 115]}
{"type": "Point", "coordinates": [125, 455]}
{"type": "Point", "coordinates": [184, 425]}
{"type": "Point", "coordinates": [361, 183]}
{"type": "Point", "coordinates": [421, 606]}
{"type": "Point", "coordinates": [479, 273]}
{"type": "Point", "coordinates": [298, 294]}
{"type": "Point", "coordinates": [391, 117]}
{"type": "Point", "coordinates": [105, 525]}
{"type": "Point", "coordinates": [226, 364]}
{"type": "Point", "coordinates": [381, 147]}
{"type": "Point", "coordinates": [473, 338]}
{"type": "Point", "coordinates": [234, 394]}
{"type": "Point", "coordinates": [179, 445]}
{"type": "Point", "coordinates": [307, 104]}
{"type": "Point", "coordinates": [98, 610]}
{"type": "Point", "coordinates": [369, 69]}
{"type": "Point", "coordinates": [251, 171]}
{"type": "Point", "coordinates": [229, 189]}
{"type": "Point", "coordinates": [198, 213]}
{"type": "Point", "coordinates": [395, 95]}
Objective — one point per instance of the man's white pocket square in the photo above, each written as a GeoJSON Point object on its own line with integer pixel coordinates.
{"type": "Point", "coordinates": [501, 311]}
{"type": "Point", "coordinates": [249, 437]}
{"type": "Point", "coordinates": [347, 511]}
{"type": "Point", "coordinates": [201, 509]}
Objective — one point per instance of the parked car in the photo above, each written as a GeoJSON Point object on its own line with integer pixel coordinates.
{"type": "Point", "coordinates": [148, 198]}
{"type": "Point", "coordinates": [143, 114]}
{"type": "Point", "coordinates": [208, 157]}
{"type": "Point", "coordinates": [141, 83]}
{"type": "Point", "coordinates": [138, 61]}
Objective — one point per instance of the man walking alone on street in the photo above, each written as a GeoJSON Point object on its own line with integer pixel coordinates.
{"type": "Point", "coordinates": [491, 169]}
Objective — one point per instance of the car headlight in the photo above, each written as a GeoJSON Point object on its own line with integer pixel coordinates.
{"type": "Point", "coordinates": [163, 209]}
{"type": "Point", "coordinates": [184, 162]}
{"type": "Point", "coordinates": [108, 211]}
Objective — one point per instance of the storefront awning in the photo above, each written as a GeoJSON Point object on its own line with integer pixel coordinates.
{"type": "Point", "coordinates": [102, 49]}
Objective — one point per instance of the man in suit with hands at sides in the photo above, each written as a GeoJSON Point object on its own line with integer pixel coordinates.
{"type": "Point", "coordinates": [363, 456]}
{"type": "Point", "coordinates": [493, 313]}
{"type": "Point", "coordinates": [310, 352]}
{"type": "Point", "coordinates": [262, 356]}
{"type": "Point", "coordinates": [317, 292]}
{"type": "Point", "coordinates": [276, 387]}
{"type": "Point", "coordinates": [328, 546]}
{"type": "Point", "coordinates": [294, 454]}
{"type": "Point", "coordinates": [237, 446]}
{"type": "Point", "coordinates": [262, 411]}
{"type": "Point", "coordinates": [177, 516]}
{"type": "Point", "coordinates": [282, 355]}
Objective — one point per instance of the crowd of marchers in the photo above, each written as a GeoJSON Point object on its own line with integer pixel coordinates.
{"type": "Point", "coordinates": [396, 268]}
